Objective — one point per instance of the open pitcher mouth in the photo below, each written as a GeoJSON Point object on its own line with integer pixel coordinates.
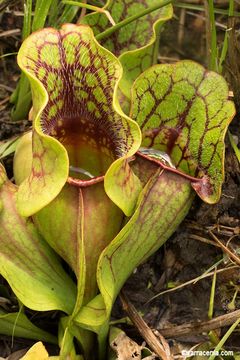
{"type": "Point", "coordinates": [80, 134]}
{"type": "Point", "coordinates": [92, 144]}
{"type": "Point", "coordinates": [79, 111]}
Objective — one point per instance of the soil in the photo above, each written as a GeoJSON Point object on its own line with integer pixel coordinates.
{"type": "Point", "coordinates": [191, 251]}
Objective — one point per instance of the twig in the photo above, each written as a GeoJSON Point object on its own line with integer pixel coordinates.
{"type": "Point", "coordinates": [8, 33]}
{"type": "Point", "coordinates": [192, 281]}
{"type": "Point", "coordinates": [229, 252]}
{"type": "Point", "coordinates": [181, 29]}
{"type": "Point", "coordinates": [161, 349]}
{"type": "Point", "coordinates": [203, 17]}
{"type": "Point", "coordinates": [4, 101]}
{"type": "Point", "coordinates": [167, 58]}
{"type": "Point", "coordinates": [200, 327]}
{"type": "Point", "coordinates": [204, 240]}
{"type": "Point", "coordinates": [5, 87]}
